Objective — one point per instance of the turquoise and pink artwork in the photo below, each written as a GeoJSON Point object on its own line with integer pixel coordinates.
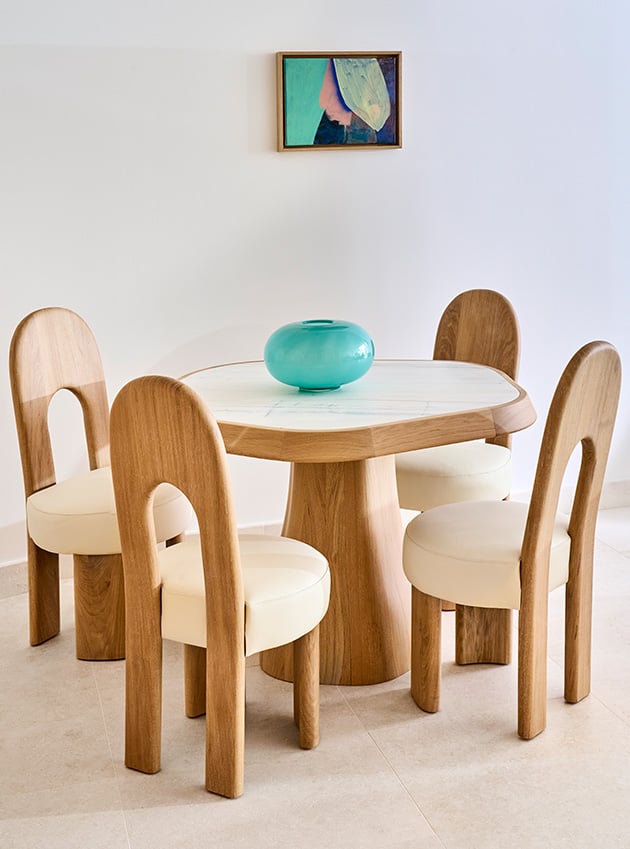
{"type": "Point", "coordinates": [339, 100]}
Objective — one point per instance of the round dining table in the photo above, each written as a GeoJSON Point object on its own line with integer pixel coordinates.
{"type": "Point", "coordinates": [342, 495]}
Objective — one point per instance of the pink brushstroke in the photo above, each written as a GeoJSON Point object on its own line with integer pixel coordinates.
{"type": "Point", "coordinates": [329, 98]}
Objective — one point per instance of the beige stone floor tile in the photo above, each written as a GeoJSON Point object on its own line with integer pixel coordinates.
{"type": "Point", "coordinates": [72, 792]}
{"type": "Point", "coordinates": [14, 580]}
{"type": "Point", "coordinates": [479, 785]}
{"type": "Point", "coordinates": [342, 818]}
{"type": "Point", "coordinates": [385, 774]}
{"type": "Point", "coordinates": [79, 831]}
{"type": "Point", "coordinates": [53, 753]}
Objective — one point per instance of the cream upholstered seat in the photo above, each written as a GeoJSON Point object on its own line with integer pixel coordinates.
{"type": "Point", "coordinates": [234, 594]}
{"type": "Point", "coordinates": [478, 326]}
{"type": "Point", "coordinates": [54, 349]}
{"type": "Point", "coordinates": [502, 554]}
{"type": "Point", "coordinates": [78, 515]}
{"type": "Point", "coordinates": [472, 552]}
{"type": "Point", "coordinates": [286, 587]}
{"type": "Point", "coordinates": [465, 471]}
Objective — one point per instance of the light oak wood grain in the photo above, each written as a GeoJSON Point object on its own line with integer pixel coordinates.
{"type": "Point", "coordinates": [54, 349]}
{"type": "Point", "coordinates": [482, 635]}
{"type": "Point", "coordinates": [99, 605]}
{"type": "Point", "coordinates": [349, 512]}
{"type": "Point", "coordinates": [481, 326]}
{"type": "Point", "coordinates": [162, 431]}
{"type": "Point", "coordinates": [582, 414]}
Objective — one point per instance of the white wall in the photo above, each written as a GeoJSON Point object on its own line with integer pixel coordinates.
{"type": "Point", "coordinates": [139, 185]}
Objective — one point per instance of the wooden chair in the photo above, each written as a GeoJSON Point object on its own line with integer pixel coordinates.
{"type": "Point", "coordinates": [502, 554]}
{"type": "Point", "coordinates": [478, 326]}
{"type": "Point", "coordinates": [236, 595]}
{"type": "Point", "coordinates": [54, 349]}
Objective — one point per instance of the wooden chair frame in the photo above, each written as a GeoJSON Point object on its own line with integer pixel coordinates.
{"type": "Point", "coordinates": [481, 326]}
{"type": "Point", "coordinates": [162, 431]}
{"type": "Point", "coordinates": [582, 412]}
{"type": "Point", "coordinates": [54, 349]}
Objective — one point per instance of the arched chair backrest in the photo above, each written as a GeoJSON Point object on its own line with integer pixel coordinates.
{"type": "Point", "coordinates": [162, 431]}
{"type": "Point", "coordinates": [480, 326]}
{"type": "Point", "coordinates": [582, 412]}
{"type": "Point", "coordinates": [53, 349]}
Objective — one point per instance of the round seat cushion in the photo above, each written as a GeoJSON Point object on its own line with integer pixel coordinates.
{"type": "Point", "coordinates": [286, 587]}
{"type": "Point", "coordinates": [470, 553]}
{"type": "Point", "coordinates": [465, 471]}
{"type": "Point", "coordinates": [78, 515]}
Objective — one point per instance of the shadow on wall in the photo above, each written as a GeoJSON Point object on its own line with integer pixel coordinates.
{"type": "Point", "coordinates": [259, 487]}
{"type": "Point", "coordinates": [235, 343]}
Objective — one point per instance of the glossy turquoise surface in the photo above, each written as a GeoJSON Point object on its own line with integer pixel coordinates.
{"type": "Point", "coordinates": [319, 354]}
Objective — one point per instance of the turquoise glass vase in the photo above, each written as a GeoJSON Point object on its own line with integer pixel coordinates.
{"type": "Point", "coordinates": [319, 354]}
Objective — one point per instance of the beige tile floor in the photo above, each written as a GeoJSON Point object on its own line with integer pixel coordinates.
{"type": "Point", "coordinates": [384, 775]}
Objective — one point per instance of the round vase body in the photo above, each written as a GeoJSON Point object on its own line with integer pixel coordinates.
{"type": "Point", "coordinates": [319, 354]}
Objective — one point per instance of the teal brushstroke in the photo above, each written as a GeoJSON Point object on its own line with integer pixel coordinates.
{"type": "Point", "coordinates": [303, 80]}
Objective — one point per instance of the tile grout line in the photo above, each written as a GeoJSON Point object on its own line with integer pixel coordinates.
{"type": "Point", "coordinates": [392, 768]}
{"type": "Point", "coordinates": [111, 755]}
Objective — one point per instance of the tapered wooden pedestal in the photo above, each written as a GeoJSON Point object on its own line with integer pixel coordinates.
{"type": "Point", "coordinates": [349, 511]}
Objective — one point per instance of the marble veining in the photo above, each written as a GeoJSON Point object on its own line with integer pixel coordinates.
{"type": "Point", "coordinates": [393, 390]}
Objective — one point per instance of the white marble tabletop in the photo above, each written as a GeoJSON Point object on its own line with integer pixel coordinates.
{"type": "Point", "coordinates": [392, 391]}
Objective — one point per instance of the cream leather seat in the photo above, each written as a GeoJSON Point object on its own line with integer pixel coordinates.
{"type": "Point", "coordinates": [286, 586]}
{"type": "Point", "coordinates": [465, 471]}
{"type": "Point", "coordinates": [472, 553]}
{"type": "Point", "coordinates": [78, 515]}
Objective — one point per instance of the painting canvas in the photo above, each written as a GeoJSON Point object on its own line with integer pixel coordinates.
{"type": "Point", "coordinates": [338, 100]}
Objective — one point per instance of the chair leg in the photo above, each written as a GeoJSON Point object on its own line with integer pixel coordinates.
{"type": "Point", "coordinates": [532, 670]}
{"type": "Point", "coordinates": [99, 607]}
{"type": "Point", "coordinates": [195, 680]}
{"type": "Point", "coordinates": [43, 594]}
{"type": "Point", "coordinates": [143, 692]}
{"type": "Point", "coordinates": [225, 723]}
{"type": "Point", "coordinates": [306, 688]}
{"type": "Point", "coordinates": [426, 625]}
{"type": "Point", "coordinates": [482, 635]}
{"type": "Point", "coordinates": [578, 626]}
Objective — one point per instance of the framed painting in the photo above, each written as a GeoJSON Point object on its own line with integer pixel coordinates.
{"type": "Point", "coordinates": [339, 101]}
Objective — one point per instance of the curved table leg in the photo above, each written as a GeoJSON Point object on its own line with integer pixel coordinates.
{"type": "Point", "coordinates": [349, 512]}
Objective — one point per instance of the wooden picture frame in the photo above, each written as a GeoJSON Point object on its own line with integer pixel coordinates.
{"type": "Point", "coordinates": [339, 101]}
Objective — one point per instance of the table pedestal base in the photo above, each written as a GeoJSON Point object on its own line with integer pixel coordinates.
{"type": "Point", "coordinates": [349, 512]}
